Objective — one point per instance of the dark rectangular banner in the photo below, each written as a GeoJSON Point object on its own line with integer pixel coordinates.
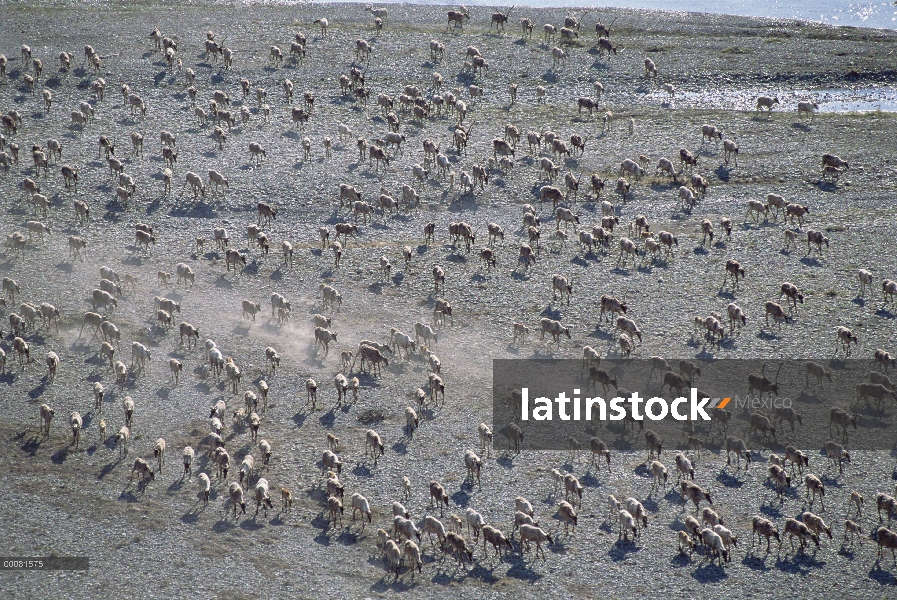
{"type": "Point", "coordinates": [570, 404]}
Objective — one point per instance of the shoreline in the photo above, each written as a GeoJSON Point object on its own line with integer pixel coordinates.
{"type": "Point", "coordinates": [591, 8]}
{"type": "Point", "coordinates": [482, 5]}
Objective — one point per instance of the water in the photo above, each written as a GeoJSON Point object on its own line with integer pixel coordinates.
{"type": "Point", "coordinates": [856, 101]}
{"type": "Point", "coordinates": [829, 100]}
{"type": "Point", "coordinates": [881, 14]}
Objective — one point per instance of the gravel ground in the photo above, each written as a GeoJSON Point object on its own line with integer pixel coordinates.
{"type": "Point", "coordinates": [160, 540]}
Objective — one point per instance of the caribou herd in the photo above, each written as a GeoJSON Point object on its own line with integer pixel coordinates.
{"type": "Point", "coordinates": [430, 166]}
